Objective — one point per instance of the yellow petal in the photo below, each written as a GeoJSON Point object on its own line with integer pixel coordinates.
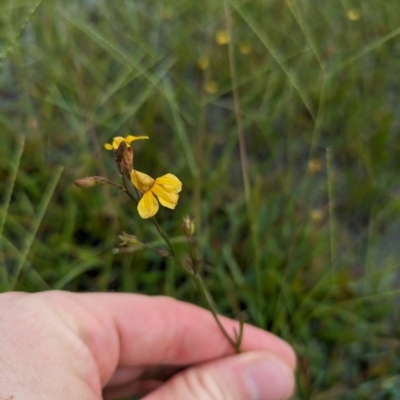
{"type": "Point", "coordinates": [108, 146]}
{"type": "Point", "coordinates": [170, 183]}
{"type": "Point", "coordinates": [117, 141]}
{"type": "Point", "coordinates": [141, 181]}
{"type": "Point", "coordinates": [148, 205]}
{"type": "Point", "coordinates": [167, 199]}
{"type": "Point", "coordinates": [131, 138]}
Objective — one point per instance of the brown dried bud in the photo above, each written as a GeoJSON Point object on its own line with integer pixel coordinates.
{"type": "Point", "coordinates": [124, 158]}
{"type": "Point", "coordinates": [188, 226]}
{"type": "Point", "coordinates": [120, 152]}
{"type": "Point", "coordinates": [127, 161]}
{"type": "Point", "coordinates": [90, 181]}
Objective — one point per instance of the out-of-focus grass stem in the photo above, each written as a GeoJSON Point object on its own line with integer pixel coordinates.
{"type": "Point", "coordinates": [251, 212]}
{"type": "Point", "coordinates": [48, 192]}
{"type": "Point", "coordinates": [332, 229]}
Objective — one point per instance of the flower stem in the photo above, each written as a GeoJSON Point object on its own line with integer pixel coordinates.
{"type": "Point", "coordinates": [192, 253]}
{"type": "Point", "coordinates": [115, 185]}
{"type": "Point", "coordinates": [126, 190]}
{"type": "Point", "coordinates": [202, 289]}
{"type": "Point", "coordinates": [194, 275]}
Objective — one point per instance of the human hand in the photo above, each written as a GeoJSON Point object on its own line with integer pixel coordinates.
{"type": "Point", "coordinates": [62, 345]}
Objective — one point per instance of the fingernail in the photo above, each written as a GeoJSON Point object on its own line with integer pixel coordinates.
{"type": "Point", "coordinates": [269, 378]}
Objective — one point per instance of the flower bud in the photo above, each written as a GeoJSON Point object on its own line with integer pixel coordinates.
{"type": "Point", "coordinates": [128, 240]}
{"type": "Point", "coordinates": [90, 181]}
{"type": "Point", "coordinates": [188, 226]}
{"type": "Point", "coordinates": [127, 161]}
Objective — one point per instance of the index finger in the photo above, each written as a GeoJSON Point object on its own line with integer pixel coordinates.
{"type": "Point", "coordinates": [154, 330]}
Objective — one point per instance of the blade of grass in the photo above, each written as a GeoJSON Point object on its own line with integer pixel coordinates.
{"type": "Point", "coordinates": [9, 186]}
{"type": "Point", "coordinates": [180, 128]}
{"type": "Point", "coordinates": [47, 194]}
{"type": "Point", "coordinates": [75, 272]}
{"type": "Point", "coordinates": [294, 8]}
{"type": "Point", "coordinates": [365, 50]}
{"type": "Point", "coordinates": [332, 224]}
{"type": "Point", "coordinates": [141, 98]}
{"type": "Point", "coordinates": [28, 18]}
{"type": "Point", "coordinates": [233, 265]}
{"type": "Point", "coordinates": [30, 271]}
{"type": "Point", "coordinates": [275, 53]}
{"type": "Point", "coordinates": [123, 57]}
{"type": "Point", "coordinates": [251, 212]}
{"type": "Point", "coordinates": [343, 304]}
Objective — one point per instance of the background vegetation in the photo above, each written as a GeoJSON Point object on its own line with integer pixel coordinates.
{"type": "Point", "coordinates": [308, 247]}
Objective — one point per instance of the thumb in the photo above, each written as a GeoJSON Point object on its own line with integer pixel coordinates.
{"type": "Point", "coordinates": [247, 376]}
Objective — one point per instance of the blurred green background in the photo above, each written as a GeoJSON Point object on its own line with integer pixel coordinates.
{"type": "Point", "coordinates": [308, 247]}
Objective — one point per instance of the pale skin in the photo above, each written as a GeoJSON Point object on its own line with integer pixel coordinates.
{"type": "Point", "coordinates": [62, 345]}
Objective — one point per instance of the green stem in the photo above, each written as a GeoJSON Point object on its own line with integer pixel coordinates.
{"type": "Point", "coordinates": [192, 252]}
{"type": "Point", "coordinates": [193, 275]}
{"type": "Point", "coordinates": [126, 190]}
{"type": "Point", "coordinates": [166, 238]}
{"type": "Point", "coordinates": [115, 185]}
{"type": "Point", "coordinates": [239, 336]}
{"type": "Point", "coordinates": [200, 287]}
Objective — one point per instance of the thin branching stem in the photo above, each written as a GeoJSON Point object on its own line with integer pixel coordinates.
{"type": "Point", "coordinates": [239, 335]}
{"type": "Point", "coordinates": [193, 274]}
{"type": "Point", "coordinates": [126, 190]}
{"type": "Point", "coordinates": [192, 251]}
{"type": "Point", "coordinates": [199, 285]}
{"type": "Point", "coordinates": [115, 185]}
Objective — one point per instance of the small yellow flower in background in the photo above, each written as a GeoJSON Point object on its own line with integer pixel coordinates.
{"type": "Point", "coordinates": [203, 63]}
{"type": "Point", "coordinates": [314, 166]}
{"type": "Point", "coordinates": [222, 37]}
{"type": "Point", "coordinates": [211, 87]}
{"type": "Point", "coordinates": [245, 47]}
{"type": "Point", "coordinates": [317, 215]}
{"type": "Point", "coordinates": [118, 139]}
{"type": "Point", "coordinates": [166, 188]}
{"type": "Point", "coordinates": [354, 14]}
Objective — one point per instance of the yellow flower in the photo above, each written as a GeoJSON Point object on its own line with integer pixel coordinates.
{"type": "Point", "coordinates": [166, 188]}
{"type": "Point", "coordinates": [211, 87]}
{"type": "Point", "coordinates": [118, 139]}
{"type": "Point", "coordinates": [203, 62]}
{"type": "Point", "coordinates": [222, 37]}
{"type": "Point", "coordinates": [245, 47]}
{"type": "Point", "coordinates": [354, 14]}
{"type": "Point", "coordinates": [314, 166]}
